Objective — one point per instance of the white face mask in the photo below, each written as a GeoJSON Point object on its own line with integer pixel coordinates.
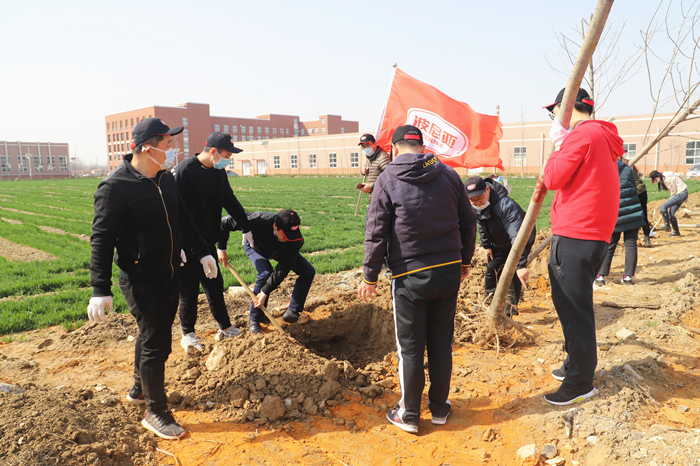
{"type": "Point", "coordinates": [169, 161]}
{"type": "Point", "coordinates": [482, 206]}
{"type": "Point", "coordinates": [368, 151]}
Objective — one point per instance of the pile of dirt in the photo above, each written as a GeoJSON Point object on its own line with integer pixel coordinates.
{"type": "Point", "coordinates": [43, 425]}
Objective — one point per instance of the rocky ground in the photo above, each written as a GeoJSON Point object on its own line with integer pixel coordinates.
{"type": "Point", "coordinates": [318, 394]}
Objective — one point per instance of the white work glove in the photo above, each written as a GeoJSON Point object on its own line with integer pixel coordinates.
{"type": "Point", "coordinates": [96, 308]}
{"type": "Point", "coordinates": [248, 237]}
{"type": "Point", "coordinates": [557, 133]}
{"type": "Point", "coordinates": [183, 257]}
{"type": "Point", "coordinates": [209, 266]}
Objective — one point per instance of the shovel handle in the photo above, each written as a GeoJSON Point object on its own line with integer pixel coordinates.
{"type": "Point", "coordinates": [252, 295]}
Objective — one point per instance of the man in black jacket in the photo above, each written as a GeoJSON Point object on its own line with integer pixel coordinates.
{"type": "Point", "coordinates": [499, 218]}
{"type": "Point", "coordinates": [277, 237]}
{"type": "Point", "coordinates": [420, 218]}
{"type": "Point", "coordinates": [205, 188]}
{"type": "Point", "coordinates": [139, 211]}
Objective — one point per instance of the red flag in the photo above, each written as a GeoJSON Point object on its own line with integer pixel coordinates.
{"type": "Point", "coordinates": [454, 132]}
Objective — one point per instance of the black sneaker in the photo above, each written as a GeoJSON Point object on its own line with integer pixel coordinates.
{"type": "Point", "coordinates": [394, 418]}
{"type": "Point", "coordinates": [290, 316]}
{"type": "Point", "coordinates": [559, 374]}
{"type": "Point", "coordinates": [163, 425]}
{"type": "Point", "coordinates": [568, 396]}
{"type": "Point", "coordinates": [135, 396]}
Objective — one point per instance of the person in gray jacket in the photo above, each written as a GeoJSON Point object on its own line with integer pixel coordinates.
{"type": "Point", "coordinates": [499, 218]}
{"type": "Point", "coordinates": [629, 221]}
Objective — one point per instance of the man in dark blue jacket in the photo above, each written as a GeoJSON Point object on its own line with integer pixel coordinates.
{"type": "Point", "coordinates": [500, 218]}
{"type": "Point", "coordinates": [421, 220]}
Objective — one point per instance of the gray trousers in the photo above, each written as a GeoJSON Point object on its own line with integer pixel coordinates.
{"type": "Point", "coordinates": [630, 253]}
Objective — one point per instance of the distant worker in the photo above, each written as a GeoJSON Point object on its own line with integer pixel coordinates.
{"type": "Point", "coordinates": [629, 220]}
{"type": "Point", "coordinates": [421, 219]}
{"type": "Point", "coordinates": [678, 195]}
{"type": "Point", "coordinates": [277, 237]}
{"type": "Point", "coordinates": [376, 162]}
{"type": "Point", "coordinates": [205, 188]}
{"type": "Point", "coordinates": [582, 170]}
{"type": "Point", "coordinates": [139, 211]}
{"type": "Point", "coordinates": [643, 201]}
{"type": "Point", "coordinates": [500, 219]}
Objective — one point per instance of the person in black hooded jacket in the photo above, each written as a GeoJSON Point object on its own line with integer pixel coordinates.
{"type": "Point", "coordinates": [499, 218]}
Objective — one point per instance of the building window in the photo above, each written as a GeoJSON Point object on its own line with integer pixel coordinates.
{"type": "Point", "coordinates": [217, 128]}
{"type": "Point", "coordinates": [234, 129]}
{"type": "Point", "coordinates": [315, 130]}
{"type": "Point", "coordinates": [132, 123]}
{"type": "Point", "coordinates": [51, 162]}
{"type": "Point", "coordinates": [276, 161]}
{"type": "Point", "coordinates": [281, 131]}
{"type": "Point", "coordinates": [332, 160]}
{"type": "Point", "coordinates": [354, 159]}
{"type": "Point", "coordinates": [225, 128]}
{"type": "Point", "coordinates": [342, 130]}
{"type": "Point", "coordinates": [323, 130]}
{"type": "Point", "coordinates": [274, 130]}
{"type": "Point", "coordinates": [519, 156]}
{"type": "Point", "coordinates": [293, 159]}
{"type": "Point", "coordinates": [22, 164]}
{"type": "Point", "coordinates": [184, 122]}
{"type": "Point", "coordinates": [287, 132]}
{"type": "Point", "coordinates": [259, 130]}
{"type": "Point", "coordinates": [242, 130]}
{"type": "Point", "coordinates": [37, 164]}
{"type": "Point", "coordinates": [692, 152]}
{"type": "Point", "coordinates": [630, 149]}
{"type": "Point", "coordinates": [259, 138]}
{"type": "Point", "coordinates": [5, 164]}
{"type": "Point", "coordinates": [235, 138]}
{"type": "Point", "coordinates": [250, 130]}
{"type": "Point", "coordinates": [312, 160]}
{"type": "Point", "coordinates": [323, 121]}
{"type": "Point", "coordinates": [186, 142]}
{"type": "Point", "coordinates": [63, 164]}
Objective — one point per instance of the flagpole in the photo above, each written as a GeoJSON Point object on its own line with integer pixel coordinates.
{"type": "Point", "coordinates": [386, 101]}
{"type": "Point", "coordinates": [495, 311]}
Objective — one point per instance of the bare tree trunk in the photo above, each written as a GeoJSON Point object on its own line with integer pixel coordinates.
{"type": "Point", "coordinates": [600, 16]}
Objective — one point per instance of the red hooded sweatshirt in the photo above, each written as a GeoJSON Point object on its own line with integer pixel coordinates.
{"type": "Point", "coordinates": [584, 174]}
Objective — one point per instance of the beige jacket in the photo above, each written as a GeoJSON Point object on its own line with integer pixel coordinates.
{"type": "Point", "coordinates": [675, 185]}
{"type": "Point", "coordinates": [376, 164]}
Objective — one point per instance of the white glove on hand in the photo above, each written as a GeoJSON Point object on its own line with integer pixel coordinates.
{"type": "Point", "coordinates": [209, 266]}
{"type": "Point", "coordinates": [248, 237]}
{"type": "Point", "coordinates": [557, 133]}
{"type": "Point", "coordinates": [96, 308]}
{"type": "Point", "coordinates": [183, 257]}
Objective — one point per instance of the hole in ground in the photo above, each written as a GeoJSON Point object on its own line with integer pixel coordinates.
{"type": "Point", "coordinates": [361, 334]}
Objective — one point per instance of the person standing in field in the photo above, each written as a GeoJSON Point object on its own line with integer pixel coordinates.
{"type": "Point", "coordinates": [643, 201]}
{"type": "Point", "coordinates": [376, 162]}
{"type": "Point", "coordinates": [582, 169]}
{"type": "Point", "coordinates": [277, 237]}
{"type": "Point", "coordinates": [205, 188]}
{"type": "Point", "coordinates": [139, 211]}
{"type": "Point", "coordinates": [421, 219]}
{"type": "Point", "coordinates": [678, 195]}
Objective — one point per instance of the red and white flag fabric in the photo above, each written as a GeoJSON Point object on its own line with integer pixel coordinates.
{"type": "Point", "coordinates": [458, 135]}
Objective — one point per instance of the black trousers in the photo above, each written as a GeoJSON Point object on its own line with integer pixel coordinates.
{"type": "Point", "coordinates": [424, 317]}
{"type": "Point", "coordinates": [153, 303]}
{"type": "Point", "coordinates": [573, 264]}
{"type": "Point", "coordinates": [643, 199]}
{"type": "Point", "coordinates": [493, 274]}
{"type": "Point", "coordinates": [630, 252]}
{"type": "Point", "coordinates": [191, 276]}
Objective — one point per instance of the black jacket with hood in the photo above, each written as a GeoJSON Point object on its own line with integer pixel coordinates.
{"type": "Point", "coordinates": [266, 244]}
{"type": "Point", "coordinates": [143, 218]}
{"type": "Point", "coordinates": [500, 222]}
{"type": "Point", "coordinates": [420, 217]}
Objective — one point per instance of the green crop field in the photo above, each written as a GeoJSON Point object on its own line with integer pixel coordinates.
{"type": "Point", "coordinates": [38, 294]}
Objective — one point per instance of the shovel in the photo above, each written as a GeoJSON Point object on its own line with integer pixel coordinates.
{"type": "Point", "coordinates": [252, 295]}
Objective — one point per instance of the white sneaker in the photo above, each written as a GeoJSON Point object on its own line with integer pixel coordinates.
{"type": "Point", "coordinates": [191, 340]}
{"type": "Point", "coordinates": [224, 334]}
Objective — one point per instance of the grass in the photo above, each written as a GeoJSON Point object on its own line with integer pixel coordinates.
{"type": "Point", "coordinates": [56, 292]}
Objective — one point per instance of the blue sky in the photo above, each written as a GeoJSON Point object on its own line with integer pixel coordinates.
{"type": "Point", "coordinates": [65, 65]}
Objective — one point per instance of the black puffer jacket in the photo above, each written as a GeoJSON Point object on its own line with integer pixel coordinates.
{"type": "Point", "coordinates": [630, 216]}
{"type": "Point", "coordinates": [500, 222]}
{"type": "Point", "coordinates": [143, 219]}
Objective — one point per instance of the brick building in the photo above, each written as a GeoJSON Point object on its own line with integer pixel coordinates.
{"type": "Point", "coordinates": [198, 124]}
{"type": "Point", "coordinates": [34, 160]}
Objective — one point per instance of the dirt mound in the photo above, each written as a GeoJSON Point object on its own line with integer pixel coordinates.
{"type": "Point", "coordinates": [43, 425]}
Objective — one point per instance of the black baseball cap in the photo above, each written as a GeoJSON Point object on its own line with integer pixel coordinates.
{"type": "Point", "coordinates": [288, 221]}
{"type": "Point", "coordinates": [219, 140]}
{"type": "Point", "coordinates": [475, 186]}
{"type": "Point", "coordinates": [582, 97]}
{"type": "Point", "coordinates": [151, 127]}
{"type": "Point", "coordinates": [407, 133]}
{"type": "Point", "coordinates": [367, 139]}
{"type": "Point", "coordinates": [654, 175]}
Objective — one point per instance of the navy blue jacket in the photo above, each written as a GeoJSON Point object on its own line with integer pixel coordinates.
{"type": "Point", "coordinates": [630, 216]}
{"type": "Point", "coordinates": [419, 217]}
{"type": "Point", "coordinates": [500, 222]}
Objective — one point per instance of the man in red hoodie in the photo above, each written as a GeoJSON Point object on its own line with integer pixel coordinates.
{"type": "Point", "coordinates": [582, 170]}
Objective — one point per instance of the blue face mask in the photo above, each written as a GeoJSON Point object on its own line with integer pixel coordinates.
{"type": "Point", "coordinates": [170, 158]}
{"type": "Point", "coordinates": [222, 163]}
